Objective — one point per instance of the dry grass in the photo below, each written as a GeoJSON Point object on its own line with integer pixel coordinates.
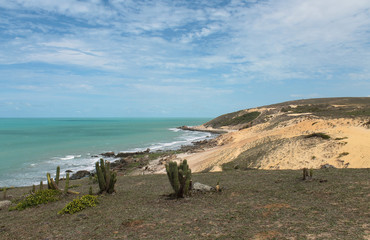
{"type": "Point", "coordinates": [254, 204]}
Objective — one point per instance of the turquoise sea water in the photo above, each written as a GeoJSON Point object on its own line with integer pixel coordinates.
{"type": "Point", "coordinates": [31, 147]}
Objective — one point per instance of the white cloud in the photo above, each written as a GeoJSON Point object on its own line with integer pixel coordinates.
{"type": "Point", "coordinates": [180, 42]}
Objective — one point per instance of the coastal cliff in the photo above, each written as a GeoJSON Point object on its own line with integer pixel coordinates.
{"type": "Point", "coordinates": [306, 133]}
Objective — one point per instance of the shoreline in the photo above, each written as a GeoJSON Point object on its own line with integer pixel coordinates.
{"type": "Point", "coordinates": [31, 169]}
{"type": "Point", "coordinates": [203, 129]}
{"type": "Point", "coordinates": [127, 162]}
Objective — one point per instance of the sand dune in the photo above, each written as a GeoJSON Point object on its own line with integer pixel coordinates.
{"type": "Point", "coordinates": [349, 145]}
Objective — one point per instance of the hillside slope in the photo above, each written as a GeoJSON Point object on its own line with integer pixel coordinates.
{"type": "Point", "coordinates": [278, 136]}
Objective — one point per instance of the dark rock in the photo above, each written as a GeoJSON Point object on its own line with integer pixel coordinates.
{"type": "Point", "coordinates": [130, 154]}
{"type": "Point", "coordinates": [108, 154]}
{"type": "Point", "coordinates": [327, 166]}
{"type": "Point", "coordinates": [80, 174]}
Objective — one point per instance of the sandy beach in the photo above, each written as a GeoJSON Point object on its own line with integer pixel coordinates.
{"type": "Point", "coordinates": [348, 146]}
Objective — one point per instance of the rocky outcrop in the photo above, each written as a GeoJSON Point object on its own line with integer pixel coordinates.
{"type": "Point", "coordinates": [80, 174]}
{"type": "Point", "coordinates": [197, 129]}
{"type": "Point", "coordinates": [108, 154]}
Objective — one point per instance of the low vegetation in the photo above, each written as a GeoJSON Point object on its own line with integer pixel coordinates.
{"type": "Point", "coordinates": [232, 119]}
{"type": "Point", "coordinates": [37, 198]}
{"type": "Point", "coordinates": [343, 154]}
{"type": "Point", "coordinates": [79, 204]}
{"type": "Point", "coordinates": [318, 135]}
{"type": "Point", "coordinates": [253, 204]}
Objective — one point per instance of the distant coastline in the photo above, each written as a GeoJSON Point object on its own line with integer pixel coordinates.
{"type": "Point", "coordinates": [31, 147]}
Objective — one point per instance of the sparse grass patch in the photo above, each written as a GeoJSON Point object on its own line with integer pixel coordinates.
{"type": "Point", "coordinates": [343, 154]}
{"type": "Point", "coordinates": [232, 119]}
{"type": "Point", "coordinates": [319, 135]}
{"type": "Point", "coordinates": [342, 138]}
{"type": "Point", "coordinates": [246, 118]}
{"type": "Point", "coordinates": [252, 202]}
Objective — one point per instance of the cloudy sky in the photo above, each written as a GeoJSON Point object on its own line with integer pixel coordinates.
{"type": "Point", "coordinates": [177, 58]}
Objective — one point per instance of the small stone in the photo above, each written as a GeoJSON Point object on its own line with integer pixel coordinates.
{"type": "Point", "coordinates": [202, 187]}
{"type": "Point", "coordinates": [5, 204]}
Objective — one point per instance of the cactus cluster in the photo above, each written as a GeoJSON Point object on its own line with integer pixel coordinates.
{"type": "Point", "coordinates": [54, 184]}
{"type": "Point", "coordinates": [51, 182]}
{"type": "Point", "coordinates": [106, 177]}
{"type": "Point", "coordinates": [307, 175]}
{"type": "Point", "coordinates": [180, 178]}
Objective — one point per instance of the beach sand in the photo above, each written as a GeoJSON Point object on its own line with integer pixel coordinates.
{"type": "Point", "coordinates": [348, 146]}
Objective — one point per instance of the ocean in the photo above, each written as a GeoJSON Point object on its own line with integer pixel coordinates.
{"type": "Point", "coordinates": [29, 148]}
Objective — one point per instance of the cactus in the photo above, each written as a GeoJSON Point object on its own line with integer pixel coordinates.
{"type": "Point", "coordinates": [57, 176]}
{"type": "Point", "coordinates": [54, 186]}
{"type": "Point", "coordinates": [67, 184]}
{"type": "Point", "coordinates": [33, 188]}
{"type": "Point", "coordinates": [106, 178]}
{"type": "Point", "coordinates": [307, 175]}
{"type": "Point", "coordinates": [90, 191]}
{"type": "Point", "coordinates": [180, 178]}
{"type": "Point", "coordinates": [51, 183]}
{"type": "Point", "coordinates": [41, 185]}
{"type": "Point", "coordinates": [4, 193]}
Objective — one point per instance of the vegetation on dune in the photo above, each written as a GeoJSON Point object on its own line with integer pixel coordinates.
{"type": "Point", "coordinates": [250, 158]}
{"type": "Point", "coordinates": [318, 135]}
{"type": "Point", "coordinates": [232, 119]}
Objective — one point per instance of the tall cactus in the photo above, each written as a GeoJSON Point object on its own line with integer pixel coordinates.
{"type": "Point", "coordinates": [51, 183]}
{"type": "Point", "coordinates": [57, 176]}
{"type": "Point", "coordinates": [66, 184]}
{"type": "Point", "coordinates": [106, 177]}
{"type": "Point", "coordinates": [180, 178]}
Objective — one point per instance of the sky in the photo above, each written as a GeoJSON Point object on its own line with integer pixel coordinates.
{"type": "Point", "coordinates": [178, 58]}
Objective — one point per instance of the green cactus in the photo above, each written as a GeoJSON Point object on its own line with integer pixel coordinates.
{"type": "Point", "coordinates": [106, 178]}
{"type": "Point", "coordinates": [33, 188]}
{"type": "Point", "coordinates": [57, 176]}
{"type": "Point", "coordinates": [41, 185]}
{"type": "Point", "coordinates": [67, 184]}
{"type": "Point", "coordinates": [51, 183]}
{"type": "Point", "coordinates": [180, 178]}
{"type": "Point", "coordinates": [307, 175]}
{"type": "Point", "coordinates": [4, 193]}
{"type": "Point", "coordinates": [90, 191]}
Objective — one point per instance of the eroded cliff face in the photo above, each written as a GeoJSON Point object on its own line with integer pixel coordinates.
{"type": "Point", "coordinates": [292, 135]}
{"type": "Point", "coordinates": [280, 138]}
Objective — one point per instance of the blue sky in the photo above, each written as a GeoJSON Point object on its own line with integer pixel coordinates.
{"type": "Point", "coordinates": [125, 58]}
